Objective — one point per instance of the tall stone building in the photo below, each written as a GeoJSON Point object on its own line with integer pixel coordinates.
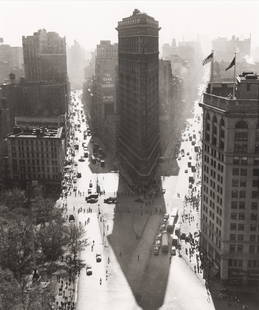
{"type": "Point", "coordinates": [230, 179]}
{"type": "Point", "coordinates": [104, 110]}
{"type": "Point", "coordinates": [138, 102]}
{"type": "Point", "coordinates": [45, 57]}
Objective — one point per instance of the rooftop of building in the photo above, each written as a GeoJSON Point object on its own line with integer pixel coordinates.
{"type": "Point", "coordinates": [43, 132]}
{"type": "Point", "coordinates": [138, 17]}
{"type": "Point", "coordinates": [245, 98]}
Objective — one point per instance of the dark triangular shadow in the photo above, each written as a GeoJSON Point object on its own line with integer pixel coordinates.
{"type": "Point", "coordinates": [136, 224]}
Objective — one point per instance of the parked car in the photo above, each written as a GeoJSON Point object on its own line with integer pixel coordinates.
{"type": "Point", "coordinates": [158, 242]}
{"type": "Point", "coordinates": [89, 271]}
{"type": "Point", "coordinates": [71, 218]}
{"type": "Point", "coordinates": [98, 258]}
{"type": "Point", "coordinates": [156, 250]}
{"type": "Point", "coordinates": [166, 216]}
{"type": "Point", "coordinates": [173, 250]}
{"type": "Point", "coordinates": [110, 200]}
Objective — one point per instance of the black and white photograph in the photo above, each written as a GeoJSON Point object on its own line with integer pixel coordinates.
{"type": "Point", "coordinates": [129, 155]}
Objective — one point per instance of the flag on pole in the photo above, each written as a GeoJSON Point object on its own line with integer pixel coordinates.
{"type": "Point", "coordinates": [233, 62]}
{"type": "Point", "coordinates": [208, 59]}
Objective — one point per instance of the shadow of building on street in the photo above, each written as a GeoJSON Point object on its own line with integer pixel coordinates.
{"type": "Point", "coordinates": [136, 224]}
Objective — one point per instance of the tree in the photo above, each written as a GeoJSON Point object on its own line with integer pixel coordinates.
{"type": "Point", "coordinates": [8, 290]}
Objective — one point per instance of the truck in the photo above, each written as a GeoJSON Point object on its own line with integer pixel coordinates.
{"type": "Point", "coordinates": [164, 243]}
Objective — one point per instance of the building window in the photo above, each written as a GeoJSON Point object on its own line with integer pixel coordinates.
{"type": "Point", "coordinates": [232, 248]}
{"type": "Point", "coordinates": [235, 171]}
{"type": "Point", "coordinates": [234, 204]}
{"type": "Point", "coordinates": [251, 249]}
{"type": "Point", "coordinates": [241, 216]}
{"type": "Point", "coordinates": [235, 183]}
{"type": "Point", "coordinates": [233, 216]}
{"type": "Point", "coordinates": [241, 205]}
{"type": "Point", "coordinates": [234, 194]}
{"type": "Point", "coordinates": [241, 141]}
{"type": "Point", "coordinates": [232, 237]}
{"type": "Point", "coordinates": [243, 172]}
{"type": "Point", "coordinates": [255, 194]}
{"type": "Point", "coordinates": [254, 205]}
{"type": "Point", "coordinates": [241, 227]}
{"type": "Point", "coordinates": [257, 141]}
{"type": "Point", "coordinates": [240, 248]}
{"type": "Point", "coordinates": [242, 194]}
{"type": "Point", "coordinates": [233, 226]}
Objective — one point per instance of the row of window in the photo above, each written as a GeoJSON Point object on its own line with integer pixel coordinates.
{"type": "Point", "coordinates": [241, 205]}
{"type": "Point", "coordinates": [239, 248]}
{"type": "Point", "coordinates": [241, 227]}
{"type": "Point", "coordinates": [240, 237]}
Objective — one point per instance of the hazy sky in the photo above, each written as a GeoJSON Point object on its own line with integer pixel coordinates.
{"type": "Point", "coordinates": [92, 21]}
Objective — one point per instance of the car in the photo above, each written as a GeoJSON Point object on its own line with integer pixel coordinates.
{"type": "Point", "coordinates": [179, 158]}
{"type": "Point", "coordinates": [190, 157]}
{"type": "Point", "coordinates": [79, 174]}
{"type": "Point", "coordinates": [95, 196]}
{"type": "Point", "coordinates": [187, 153]}
{"type": "Point", "coordinates": [164, 220]}
{"type": "Point", "coordinates": [173, 250]}
{"type": "Point", "coordinates": [74, 180]}
{"type": "Point", "coordinates": [110, 200]}
{"type": "Point", "coordinates": [162, 227]}
{"type": "Point", "coordinates": [71, 218]}
{"type": "Point", "coordinates": [98, 258]}
{"type": "Point", "coordinates": [89, 271]}
{"type": "Point", "coordinates": [102, 163]}
{"type": "Point", "coordinates": [86, 154]}
{"type": "Point", "coordinates": [89, 191]}
{"type": "Point", "coordinates": [81, 159]}
{"type": "Point", "coordinates": [90, 184]}
{"type": "Point", "coordinates": [186, 171]}
{"type": "Point", "coordinates": [159, 236]}
{"type": "Point", "coordinates": [158, 242]}
{"type": "Point", "coordinates": [75, 189]}
{"type": "Point", "coordinates": [166, 216]}
{"type": "Point", "coordinates": [183, 236]}
{"type": "Point", "coordinates": [156, 250]}
{"type": "Point", "coordinates": [92, 200]}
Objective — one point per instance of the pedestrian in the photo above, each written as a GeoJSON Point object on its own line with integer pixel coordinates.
{"type": "Point", "coordinates": [138, 257]}
{"type": "Point", "coordinates": [108, 260]}
{"type": "Point", "coordinates": [100, 281]}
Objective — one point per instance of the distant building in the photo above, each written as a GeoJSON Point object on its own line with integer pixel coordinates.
{"type": "Point", "coordinates": [166, 104]}
{"type": "Point", "coordinates": [138, 102]}
{"type": "Point", "coordinates": [230, 179]}
{"type": "Point", "coordinates": [104, 108]}
{"type": "Point", "coordinates": [76, 62]}
{"type": "Point", "coordinates": [45, 57]}
{"type": "Point", "coordinates": [36, 154]}
{"type": "Point", "coordinates": [11, 61]}
{"type": "Point", "coordinates": [224, 49]}
{"type": "Point", "coordinates": [5, 126]}
{"type": "Point", "coordinates": [35, 99]}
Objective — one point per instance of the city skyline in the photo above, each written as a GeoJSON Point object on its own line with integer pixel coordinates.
{"type": "Point", "coordinates": [186, 20]}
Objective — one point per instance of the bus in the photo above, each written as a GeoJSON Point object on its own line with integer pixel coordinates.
{"type": "Point", "coordinates": [164, 243]}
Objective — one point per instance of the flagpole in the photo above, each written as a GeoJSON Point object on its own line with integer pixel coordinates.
{"type": "Point", "coordinates": [211, 70]}
{"type": "Point", "coordinates": [234, 77]}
